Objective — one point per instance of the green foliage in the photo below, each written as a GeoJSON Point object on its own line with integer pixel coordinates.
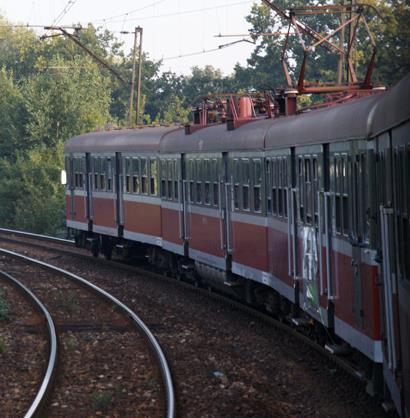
{"type": "Point", "coordinates": [51, 90]}
{"type": "Point", "coordinates": [65, 99]}
{"type": "Point", "coordinates": [13, 115]}
{"type": "Point", "coordinates": [392, 36]}
{"type": "Point", "coordinates": [3, 347]}
{"type": "Point", "coordinates": [32, 198]}
{"type": "Point", "coordinates": [101, 400]}
{"type": "Point", "coordinates": [4, 309]}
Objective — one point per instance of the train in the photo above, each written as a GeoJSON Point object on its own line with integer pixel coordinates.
{"type": "Point", "coordinates": [306, 215]}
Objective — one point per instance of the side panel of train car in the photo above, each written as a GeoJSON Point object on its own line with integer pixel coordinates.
{"type": "Point", "coordinates": [308, 213]}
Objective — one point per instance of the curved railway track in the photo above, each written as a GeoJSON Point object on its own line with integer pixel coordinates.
{"type": "Point", "coordinates": [63, 247]}
{"type": "Point", "coordinates": [340, 362]}
{"type": "Point", "coordinates": [52, 338]}
{"type": "Point", "coordinates": [115, 306]}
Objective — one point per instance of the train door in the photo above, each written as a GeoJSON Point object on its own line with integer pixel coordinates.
{"type": "Point", "coordinates": [89, 187]}
{"type": "Point", "coordinates": [69, 168]}
{"type": "Point", "coordinates": [226, 192]}
{"type": "Point", "coordinates": [309, 169]}
{"type": "Point", "coordinates": [325, 209]}
{"type": "Point", "coordinates": [119, 189]}
{"type": "Point", "coordinates": [205, 201]}
{"type": "Point", "coordinates": [182, 201]}
{"type": "Point", "coordinates": [389, 214]}
{"type": "Point", "coordinates": [394, 172]}
{"type": "Point", "coordinates": [401, 176]}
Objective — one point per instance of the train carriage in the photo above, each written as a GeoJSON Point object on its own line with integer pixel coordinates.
{"type": "Point", "coordinates": [307, 215]}
{"type": "Point", "coordinates": [389, 130]}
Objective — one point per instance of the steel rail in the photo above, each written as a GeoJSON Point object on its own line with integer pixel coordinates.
{"type": "Point", "coordinates": [37, 236]}
{"type": "Point", "coordinates": [238, 305]}
{"type": "Point", "coordinates": [164, 368]}
{"type": "Point", "coordinates": [52, 360]}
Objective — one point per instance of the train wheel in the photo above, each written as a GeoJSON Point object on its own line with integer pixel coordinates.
{"type": "Point", "coordinates": [95, 248]}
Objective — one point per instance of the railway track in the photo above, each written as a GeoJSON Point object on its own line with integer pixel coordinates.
{"type": "Point", "coordinates": [86, 325]}
{"type": "Point", "coordinates": [259, 317]}
{"type": "Point", "coordinates": [32, 317]}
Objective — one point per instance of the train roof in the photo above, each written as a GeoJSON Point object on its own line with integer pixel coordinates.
{"type": "Point", "coordinates": [124, 140]}
{"type": "Point", "coordinates": [359, 119]}
{"type": "Point", "coordinates": [337, 123]}
{"type": "Point", "coordinates": [392, 110]}
{"type": "Point", "coordinates": [332, 124]}
{"type": "Point", "coordinates": [218, 138]}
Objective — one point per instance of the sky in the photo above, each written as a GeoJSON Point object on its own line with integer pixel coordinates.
{"type": "Point", "coordinates": [172, 28]}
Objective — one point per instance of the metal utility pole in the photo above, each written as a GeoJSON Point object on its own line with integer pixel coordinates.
{"type": "Point", "coordinates": [352, 30]}
{"type": "Point", "coordinates": [137, 45]}
{"type": "Point", "coordinates": [341, 63]}
{"type": "Point", "coordinates": [138, 110]}
{"type": "Point", "coordinates": [134, 62]}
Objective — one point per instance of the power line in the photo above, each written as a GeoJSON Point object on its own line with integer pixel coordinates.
{"type": "Point", "coordinates": [206, 51]}
{"type": "Point", "coordinates": [48, 27]}
{"type": "Point", "coordinates": [178, 13]}
{"type": "Point", "coordinates": [66, 9]}
{"type": "Point", "coordinates": [108, 19]}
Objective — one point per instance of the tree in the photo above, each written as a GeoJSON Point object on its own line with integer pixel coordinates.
{"type": "Point", "coordinates": [388, 21]}
{"type": "Point", "coordinates": [13, 117]}
{"type": "Point", "coordinates": [66, 98]}
{"type": "Point", "coordinates": [31, 196]}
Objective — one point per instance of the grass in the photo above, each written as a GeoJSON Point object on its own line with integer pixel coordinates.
{"type": "Point", "coordinates": [69, 301]}
{"type": "Point", "coordinates": [101, 400]}
{"type": "Point", "coordinates": [4, 309]}
{"type": "Point", "coordinates": [2, 346]}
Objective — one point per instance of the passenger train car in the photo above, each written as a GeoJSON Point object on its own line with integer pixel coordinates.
{"type": "Point", "coordinates": [307, 215]}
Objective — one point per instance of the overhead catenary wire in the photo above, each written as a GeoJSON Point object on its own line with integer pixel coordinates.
{"type": "Point", "coordinates": [206, 51]}
{"type": "Point", "coordinates": [66, 9]}
{"type": "Point", "coordinates": [108, 19]}
{"type": "Point", "coordinates": [183, 12]}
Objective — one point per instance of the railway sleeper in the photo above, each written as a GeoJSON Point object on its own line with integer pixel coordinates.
{"type": "Point", "coordinates": [254, 294]}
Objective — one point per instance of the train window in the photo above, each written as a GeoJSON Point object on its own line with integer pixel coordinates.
{"type": "Point", "coordinates": [402, 172]}
{"type": "Point", "coordinates": [269, 185]}
{"type": "Point", "coordinates": [207, 193]}
{"type": "Point", "coordinates": [109, 174]}
{"type": "Point", "coordinates": [191, 180]}
{"type": "Point", "coordinates": [163, 178]}
{"type": "Point", "coordinates": [278, 186]}
{"type": "Point", "coordinates": [308, 190]}
{"type": "Point", "coordinates": [175, 179]}
{"type": "Point", "coordinates": [153, 170]}
{"type": "Point", "coordinates": [245, 183]}
{"type": "Point", "coordinates": [103, 170]}
{"type": "Point", "coordinates": [274, 186]}
{"type": "Point", "coordinates": [135, 175]}
{"type": "Point", "coordinates": [96, 171]}
{"type": "Point", "coordinates": [340, 185]}
{"type": "Point", "coordinates": [280, 180]}
{"type": "Point", "coordinates": [75, 175]}
{"type": "Point", "coordinates": [198, 177]}
{"type": "Point", "coordinates": [127, 167]}
{"type": "Point", "coordinates": [236, 176]}
{"type": "Point", "coordinates": [144, 176]}
{"type": "Point", "coordinates": [215, 188]}
{"type": "Point", "coordinates": [79, 173]}
{"type": "Point", "coordinates": [302, 202]}
{"type": "Point", "coordinates": [257, 183]}
{"type": "Point", "coordinates": [207, 182]}
{"type": "Point", "coordinates": [285, 185]}
{"type": "Point", "coordinates": [169, 179]}
{"type": "Point", "coordinates": [307, 184]}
